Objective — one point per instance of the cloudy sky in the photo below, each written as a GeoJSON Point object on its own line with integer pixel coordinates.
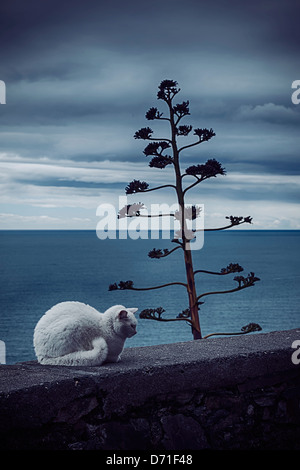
{"type": "Point", "coordinates": [80, 76]}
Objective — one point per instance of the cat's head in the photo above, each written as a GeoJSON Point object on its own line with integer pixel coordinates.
{"type": "Point", "coordinates": [124, 321]}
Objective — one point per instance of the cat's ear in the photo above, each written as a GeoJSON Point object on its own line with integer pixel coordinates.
{"type": "Point", "coordinates": [132, 310]}
{"type": "Point", "coordinates": [123, 314]}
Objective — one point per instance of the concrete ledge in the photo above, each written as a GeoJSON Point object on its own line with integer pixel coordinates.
{"type": "Point", "coordinates": [158, 388]}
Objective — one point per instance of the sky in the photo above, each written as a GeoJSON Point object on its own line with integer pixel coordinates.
{"type": "Point", "coordinates": [80, 77]}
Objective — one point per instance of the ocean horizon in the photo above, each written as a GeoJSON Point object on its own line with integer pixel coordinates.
{"type": "Point", "coordinates": [40, 268]}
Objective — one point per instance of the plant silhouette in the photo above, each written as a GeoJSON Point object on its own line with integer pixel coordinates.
{"type": "Point", "coordinates": [164, 152]}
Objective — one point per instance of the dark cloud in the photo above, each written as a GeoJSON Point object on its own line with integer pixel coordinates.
{"type": "Point", "coordinates": [81, 75]}
{"type": "Point", "coordinates": [181, 25]}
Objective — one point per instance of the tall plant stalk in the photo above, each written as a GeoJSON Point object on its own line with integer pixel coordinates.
{"type": "Point", "coordinates": [168, 89]}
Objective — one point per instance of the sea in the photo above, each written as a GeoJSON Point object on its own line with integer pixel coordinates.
{"type": "Point", "coordinates": [39, 269]}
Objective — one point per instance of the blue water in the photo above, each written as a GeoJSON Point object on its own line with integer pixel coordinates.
{"type": "Point", "coordinates": [41, 268]}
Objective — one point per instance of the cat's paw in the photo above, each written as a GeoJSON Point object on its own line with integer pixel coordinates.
{"type": "Point", "coordinates": [113, 358]}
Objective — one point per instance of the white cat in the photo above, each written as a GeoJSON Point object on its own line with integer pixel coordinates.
{"type": "Point", "coordinates": [75, 334]}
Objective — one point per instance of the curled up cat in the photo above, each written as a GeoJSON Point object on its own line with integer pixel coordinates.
{"type": "Point", "coordinates": [75, 334]}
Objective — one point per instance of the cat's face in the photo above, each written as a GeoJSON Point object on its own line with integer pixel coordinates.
{"type": "Point", "coordinates": [124, 321]}
{"type": "Point", "coordinates": [128, 321]}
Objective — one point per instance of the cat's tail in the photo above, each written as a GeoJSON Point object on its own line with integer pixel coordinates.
{"type": "Point", "coordinates": [91, 357]}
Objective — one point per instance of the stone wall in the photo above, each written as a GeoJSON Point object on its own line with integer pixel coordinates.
{"type": "Point", "coordinates": [239, 392]}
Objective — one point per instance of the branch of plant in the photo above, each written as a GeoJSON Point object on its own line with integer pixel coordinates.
{"type": "Point", "coordinates": [199, 180]}
{"type": "Point", "coordinates": [191, 145]}
{"type": "Point", "coordinates": [220, 228]}
{"type": "Point", "coordinates": [128, 285]}
{"type": "Point", "coordinates": [157, 139]}
{"type": "Point", "coordinates": [161, 286]}
{"type": "Point", "coordinates": [159, 254]}
{"type": "Point", "coordinates": [150, 215]}
{"type": "Point", "coordinates": [171, 319]}
{"type": "Point", "coordinates": [244, 331]}
{"type": "Point", "coordinates": [236, 289]}
{"type": "Point", "coordinates": [230, 269]}
{"type": "Point", "coordinates": [155, 314]}
{"type": "Point", "coordinates": [211, 272]}
{"type": "Point", "coordinates": [158, 187]}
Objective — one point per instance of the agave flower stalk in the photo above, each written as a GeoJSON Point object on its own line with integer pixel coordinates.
{"type": "Point", "coordinates": [165, 151]}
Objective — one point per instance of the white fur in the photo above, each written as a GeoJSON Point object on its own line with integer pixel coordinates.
{"type": "Point", "coordinates": [75, 334]}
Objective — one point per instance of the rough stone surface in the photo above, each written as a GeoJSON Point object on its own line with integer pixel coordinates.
{"type": "Point", "coordinates": [239, 392]}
